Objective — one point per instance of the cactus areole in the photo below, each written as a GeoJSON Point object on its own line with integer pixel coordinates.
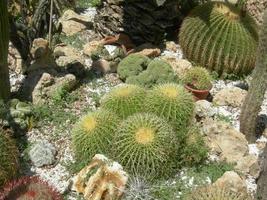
{"type": "Point", "coordinates": [221, 38]}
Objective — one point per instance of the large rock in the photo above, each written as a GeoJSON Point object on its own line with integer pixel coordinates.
{"type": "Point", "coordinates": [224, 141]}
{"type": "Point", "coordinates": [248, 165]}
{"type": "Point", "coordinates": [92, 46]}
{"type": "Point", "coordinates": [232, 181]}
{"type": "Point", "coordinates": [42, 153]}
{"type": "Point", "coordinates": [232, 96]}
{"type": "Point", "coordinates": [73, 23]}
{"type": "Point", "coordinates": [204, 109]}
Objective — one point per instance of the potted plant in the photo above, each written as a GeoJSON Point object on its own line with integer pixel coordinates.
{"type": "Point", "coordinates": [198, 81]}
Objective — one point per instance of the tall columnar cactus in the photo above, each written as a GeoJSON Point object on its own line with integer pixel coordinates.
{"type": "Point", "coordinates": [4, 40]}
{"type": "Point", "coordinates": [220, 37]}
{"type": "Point", "coordinates": [8, 158]}
{"type": "Point", "coordinates": [145, 145]}
{"type": "Point", "coordinates": [93, 134]}
{"type": "Point", "coordinates": [172, 102]}
{"type": "Point", "coordinates": [124, 100]}
{"type": "Point", "coordinates": [258, 86]}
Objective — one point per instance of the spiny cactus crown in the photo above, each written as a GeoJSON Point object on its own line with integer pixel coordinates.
{"type": "Point", "coordinates": [220, 37]}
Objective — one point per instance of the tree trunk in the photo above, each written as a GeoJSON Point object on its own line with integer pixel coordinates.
{"type": "Point", "coordinates": [4, 41]}
{"type": "Point", "coordinates": [255, 96]}
{"type": "Point", "coordinates": [262, 181]}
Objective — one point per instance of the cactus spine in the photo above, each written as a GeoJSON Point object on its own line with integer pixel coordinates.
{"type": "Point", "coordinates": [255, 96]}
{"type": "Point", "coordinates": [4, 40]}
{"type": "Point", "coordinates": [220, 37]}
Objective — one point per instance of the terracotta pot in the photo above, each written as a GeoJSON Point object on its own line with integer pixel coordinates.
{"type": "Point", "coordinates": [198, 94]}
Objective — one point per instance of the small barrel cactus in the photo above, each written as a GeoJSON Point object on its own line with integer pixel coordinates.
{"type": "Point", "coordinates": [157, 72]}
{"type": "Point", "coordinates": [29, 188]}
{"type": "Point", "coordinates": [9, 162]}
{"type": "Point", "coordinates": [132, 65]}
{"type": "Point", "coordinates": [198, 78]}
{"type": "Point", "coordinates": [145, 145]}
{"type": "Point", "coordinates": [215, 193]}
{"type": "Point", "coordinates": [124, 100]}
{"type": "Point", "coordinates": [220, 37]}
{"type": "Point", "coordinates": [93, 134]}
{"type": "Point", "coordinates": [172, 102]}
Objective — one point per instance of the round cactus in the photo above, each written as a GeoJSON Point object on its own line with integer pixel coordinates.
{"type": "Point", "coordinates": [145, 145]}
{"type": "Point", "coordinates": [8, 158]}
{"type": "Point", "coordinates": [124, 100]}
{"type": "Point", "coordinates": [215, 193]}
{"type": "Point", "coordinates": [29, 188]}
{"type": "Point", "coordinates": [198, 78]}
{"type": "Point", "coordinates": [172, 102]}
{"type": "Point", "coordinates": [93, 134]}
{"type": "Point", "coordinates": [220, 37]}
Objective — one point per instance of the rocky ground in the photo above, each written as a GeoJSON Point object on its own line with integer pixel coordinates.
{"type": "Point", "coordinates": [219, 117]}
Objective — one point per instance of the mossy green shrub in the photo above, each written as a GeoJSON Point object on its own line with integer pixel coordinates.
{"type": "Point", "coordinates": [220, 37]}
{"type": "Point", "coordinates": [9, 163]}
{"type": "Point", "coordinates": [158, 71]}
{"type": "Point", "coordinates": [145, 145]}
{"type": "Point", "coordinates": [194, 151]}
{"type": "Point", "coordinates": [198, 78]}
{"type": "Point", "coordinates": [93, 134]}
{"type": "Point", "coordinates": [132, 65]}
{"type": "Point", "coordinates": [172, 102]}
{"type": "Point", "coordinates": [124, 100]}
{"type": "Point", "coordinates": [215, 193]}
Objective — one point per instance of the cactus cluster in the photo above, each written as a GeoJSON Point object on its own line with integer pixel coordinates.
{"type": "Point", "coordinates": [9, 163]}
{"type": "Point", "coordinates": [198, 78]}
{"type": "Point", "coordinates": [148, 134]}
{"type": "Point", "coordinates": [93, 134]}
{"type": "Point", "coordinates": [29, 188]}
{"type": "Point", "coordinates": [220, 37]}
{"type": "Point", "coordinates": [145, 144]}
{"type": "Point", "coordinates": [124, 100]}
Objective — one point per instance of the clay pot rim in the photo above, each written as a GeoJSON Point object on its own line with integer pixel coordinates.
{"type": "Point", "coordinates": [195, 90]}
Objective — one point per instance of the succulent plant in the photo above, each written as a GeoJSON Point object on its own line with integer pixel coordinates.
{"type": "Point", "coordinates": [172, 102]}
{"type": "Point", "coordinates": [216, 193]}
{"type": "Point", "coordinates": [198, 78]}
{"type": "Point", "coordinates": [9, 163]}
{"type": "Point", "coordinates": [220, 37]}
{"type": "Point", "coordinates": [93, 134]}
{"type": "Point", "coordinates": [124, 100]}
{"type": "Point", "coordinates": [132, 65]}
{"type": "Point", "coordinates": [158, 71]}
{"type": "Point", "coordinates": [145, 145]}
{"type": "Point", "coordinates": [29, 188]}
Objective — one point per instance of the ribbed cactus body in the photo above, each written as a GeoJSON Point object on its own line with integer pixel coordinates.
{"type": "Point", "coordinates": [8, 158]}
{"type": "Point", "coordinates": [93, 134]}
{"type": "Point", "coordinates": [145, 144]}
{"type": "Point", "coordinates": [220, 37]}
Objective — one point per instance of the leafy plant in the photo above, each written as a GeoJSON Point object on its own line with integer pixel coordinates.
{"type": "Point", "coordinates": [198, 78]}
{"type": "Point", "coordinates": [9, 162]}
{"type": "Point", "coordinates": [29, 188]}
{"type": "Point", "coordinates": [172, 102]}
{"type": "Point", "coordinates": [220, 37]}
{"type": "Point", "coordinates": [145, 145]}
{"type": "Point", "coordinates": [124, 100]}
{"type": "Point", "coordinates": [93, 134]}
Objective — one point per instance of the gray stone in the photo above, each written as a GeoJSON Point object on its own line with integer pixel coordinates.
{"type": "Point", "coordinates": [42, 153]}
{"type": "Point", "coordinates": [204, 109]}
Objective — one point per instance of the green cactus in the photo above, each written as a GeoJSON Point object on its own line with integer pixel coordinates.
{"type": "Point", "coordinates": [93, 134]}
{"type": "Point", "coordinates": [132, 65]}
{"type": "Point", "coordinates": [4, 40]}
{"type": "Point", "coordinates": [158, 71]}
{"type": "Point", "coordinates": [216, 193]}
{"type": "Point", "coordinates": [198, 78]}
{"type": "Point", "coordinates": [220, 37]}
{"type": "Point", "coordinates": [172, 102]}
{"type": "Point", "coordinates": [145, 145]}
{"type": "Point", "coordinates": [124, 100]}
{"type": "Point", "coordinates": [9, 164]}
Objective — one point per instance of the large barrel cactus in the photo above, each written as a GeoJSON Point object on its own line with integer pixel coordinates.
{"type": "Point", "coordinates": [220, 37]}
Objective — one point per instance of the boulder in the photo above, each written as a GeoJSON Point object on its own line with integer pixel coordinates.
{"type": "Point", "coordinates": [204, 109]}
{"type": "Point", "coordinates": [249, 165]}
{"type": "Point", "coordinates": [91, 47]}
{"type": "Point", "coordinates": [232, 96]}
